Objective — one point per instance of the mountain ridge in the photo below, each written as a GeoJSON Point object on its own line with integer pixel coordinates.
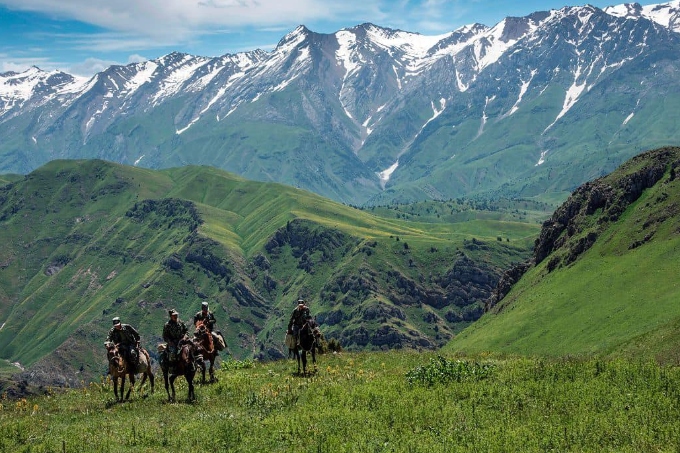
{"type": "Point", "coordinates": [368, 115]}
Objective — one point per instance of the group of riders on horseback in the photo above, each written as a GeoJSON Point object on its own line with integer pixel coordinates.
{"type": "Point", "coordinates": [207, 341]}
{"type": "Point", "coordinates": [174, 332]}
{"type": "Point", "coordinates": [178, 356]}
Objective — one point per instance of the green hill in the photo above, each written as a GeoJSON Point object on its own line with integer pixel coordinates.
{"type": "Point", "coordinates": [85, 241]}
{"type": "Point", "coordinates": [603, 278]}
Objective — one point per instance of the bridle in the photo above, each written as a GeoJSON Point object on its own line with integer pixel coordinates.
{"type": "Point", "coordinates": [115, 359]}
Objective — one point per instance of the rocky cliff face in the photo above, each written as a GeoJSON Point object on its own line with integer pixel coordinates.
{"type": "Point", "coordinates": [593, 207]}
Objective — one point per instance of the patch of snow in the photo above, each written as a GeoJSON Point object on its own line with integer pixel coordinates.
{"type": "Point", "coordinates": [137, 161]}
{"type": "Point", "coordinates": [522, 91]}
{"type": "Point", "coordinates": [484, 115]}
{"type": "Point", "coordinates": [541, 159]}
{"type": "Point", "coordinates": [93, 118]}
{"type": "Point", "coordinates": [628, 118]}
{"type": "Point", "coordinates": [461, 86]}
{"type": "Point", "coordinates": [140, 78]}
{"type": "Point", "coordinates": [571, 96]}
{"type": "Point", "coordinates": [396, 74]}
{"type": "Point", "coordinates": [436, 111]}
{"type": "Point", "coordinates": [181, 73]}
{"type": "Point", "coordinates": [386, 174]}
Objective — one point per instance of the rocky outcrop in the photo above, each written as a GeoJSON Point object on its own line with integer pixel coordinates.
{"type": "Point", "coordinates": [576, 225]}
{"type": "Point", "coordinates": [507, 280]}
{"type": "Point", "coordinates": [608, 196]}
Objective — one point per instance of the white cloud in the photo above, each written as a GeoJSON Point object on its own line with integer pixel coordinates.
{"type": "Point", "coordinates": [90, 66]}
{"type": "Point", "coordinates": [181, 19]}
{"type": "Point", "coordinates": [19, 64]}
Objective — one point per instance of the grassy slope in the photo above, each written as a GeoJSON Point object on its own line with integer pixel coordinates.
{"type": "Point", "coordinates": [74, 211]}
{"type": "Point", "coordinates": [367, 402]}
{"type": "Point", "coordinates": [613, 300]}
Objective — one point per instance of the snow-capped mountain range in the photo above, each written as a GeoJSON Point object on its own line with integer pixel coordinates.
{"type": "Point", "coordinates": [532, 105]}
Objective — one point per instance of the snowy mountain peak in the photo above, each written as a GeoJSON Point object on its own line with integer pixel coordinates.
{"type": "Point", "coordinates": [16, 88]}
{"type": "Point", "coordinates": [293, 39]}
{"type": "Point", "coordinates": [367, 98]}
{"type": "Point", "coordinates": [664, 14]}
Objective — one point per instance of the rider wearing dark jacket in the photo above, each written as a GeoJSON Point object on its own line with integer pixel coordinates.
{"type": "Point", "coordinates": [206, 316]}
{"type": "Point", "coordinates": [298, 318]}
{"type": "Point", "coordinates": [173, 331]}
{"type": "Point", "coordinates": [127, 339]}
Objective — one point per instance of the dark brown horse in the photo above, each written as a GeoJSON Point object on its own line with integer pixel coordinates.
{"type": "Point", "coordinates": [188, 359]}
{"type": "Point", "coordinates": [205, 343]}
{"type": "Point", "coordinates": [119, 368]}
{"type": "Point", "coordinates": [309, 335]}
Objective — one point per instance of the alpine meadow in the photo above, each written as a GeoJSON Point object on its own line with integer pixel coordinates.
{"type": "Point", "coordinates": [485, 225]}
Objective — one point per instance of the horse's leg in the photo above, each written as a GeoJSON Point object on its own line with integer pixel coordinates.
{"type": "Point", "coordinates": [151, 378]}
{"type": "Point", "coordinates": [202, 365]}
{"type": "Point", "coordinates": [172, 386]}
{"type": "Point", "coordinates": [141, 384]}
{"type": "Point", "coordinates": [298, 358]}
{"type": "Point", "coordinates": [190, 382]}
{"type": "Point", "coordinates": [304, 362]}
{"type": "Point", "coordinates": [211, 370]}
{"type": "Point", "coordinates": [167, 383]}
{"type": "Point", "coordinates": [115, 387]}
{"type": "Point", "coordinates": [122, 387]}
{"type": "Point", "coordinates": [130, 387]}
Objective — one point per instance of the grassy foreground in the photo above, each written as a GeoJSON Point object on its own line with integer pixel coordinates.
{"type": "Point", "coordinates": [371, 402]}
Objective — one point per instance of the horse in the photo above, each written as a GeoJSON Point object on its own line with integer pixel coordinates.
{"type": "Point", "coordinates": [119, 368]}
{"type": "Point", "coordinates": [185, 365]}
{"type": "Point", "coordinates": [203, 340]}
{"type": "Point", "coordinates": [308, 335]}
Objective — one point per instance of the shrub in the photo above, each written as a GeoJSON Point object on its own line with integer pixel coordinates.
{"type": "Point", "coordinates": [442, 371]}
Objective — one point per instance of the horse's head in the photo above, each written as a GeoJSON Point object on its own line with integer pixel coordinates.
{"type": "Point", "coordinates": [113, 355]}
{"type": "Point", "coordinates": [201, 329]}
{"type": "Point", "coordinates": [203, 336]}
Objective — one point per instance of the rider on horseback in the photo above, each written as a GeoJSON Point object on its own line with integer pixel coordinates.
{"type": "Point", "coordinates": [298, 319]}
{"type": "Point", "coordinates": [209, 321]}
{"type": "Point", "coordinates": [127, 339]}
{"type": "Point", "coordinates": [206, 316]}
{"type": "Point", "coordinates": [173, 332]}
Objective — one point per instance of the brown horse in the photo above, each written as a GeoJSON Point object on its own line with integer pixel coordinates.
{"type": "Point", "coordinates": [188, 359]}
{"type": "Point", "coordinates": [203, 340]}
{"type": "Point", "coordinates": [119, 368]}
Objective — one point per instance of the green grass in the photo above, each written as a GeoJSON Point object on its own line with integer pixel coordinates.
{"type": "Point", "coordinates": [595, 306]}
{"type": "Point", "coordinates": [617, 298]}
{"type": "Point", "coordinates": [368, 402]}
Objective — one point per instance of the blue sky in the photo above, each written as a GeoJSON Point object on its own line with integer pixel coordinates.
{"type": "Point", "coordinates": [86, 36]}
